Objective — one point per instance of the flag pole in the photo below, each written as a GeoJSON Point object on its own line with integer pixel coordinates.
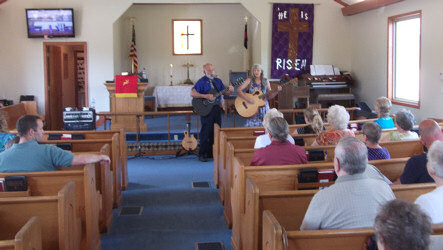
{"type": "Point", "coordinates": [133, 50]}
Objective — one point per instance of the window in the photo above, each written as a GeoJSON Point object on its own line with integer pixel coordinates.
{"type": "Point", "coordinates": [404, 59]}
{"type": "Point", "coordinates": [187, 37]}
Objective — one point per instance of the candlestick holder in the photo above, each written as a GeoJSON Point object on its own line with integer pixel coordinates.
{"type": "Point", "coordinates": [171, 83]}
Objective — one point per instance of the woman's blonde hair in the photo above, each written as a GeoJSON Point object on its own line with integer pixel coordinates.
{"type": "Point", "coordinates": [316, 122]}
{"type": "Point", "coordinates": [384, 106]}
{"type": "Point", "coordinates": [3, 123]}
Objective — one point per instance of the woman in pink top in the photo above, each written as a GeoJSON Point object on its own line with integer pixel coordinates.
{"type": "Point", "coordinates": [338, 119]}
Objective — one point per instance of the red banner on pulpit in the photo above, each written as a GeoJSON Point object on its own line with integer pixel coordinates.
{"type": "Point", "coordinates": [126, 86]}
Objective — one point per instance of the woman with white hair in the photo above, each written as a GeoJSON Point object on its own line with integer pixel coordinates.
{"type": "Point", "coordinates": [432, 203]}
{"type": "Point", "coordinates": [404, 121]}
{"type": "Point", "coordinates": [251, 84]}
{"type": "Point", "coordinates": [264, 140]}
{"type": "Point", "coordinates": [338, 119]}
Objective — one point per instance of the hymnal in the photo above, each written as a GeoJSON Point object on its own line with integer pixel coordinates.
{"type": "Point", "coordinates": [316, 155]}
{"type": "Point", "coordinates": [325, 176]}
{"type": "Point", "coordinates": [65, 146]}
{"type": "Point", "coordinates": [53, 136]}
{"type": "Point", "coordinates": [257, 133]}
{"type": "Point", "coordinates": [15, 183]}
{"type": "Point", "coordinates": [308, 175]}
{"type": "Point", "coordinates": [299, 141]}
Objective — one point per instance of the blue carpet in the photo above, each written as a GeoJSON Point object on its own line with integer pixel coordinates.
{"type": "Point", "coordinates": [174, 216]}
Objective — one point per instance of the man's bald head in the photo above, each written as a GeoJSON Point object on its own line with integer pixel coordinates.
{"type": "Point", "coordinates": [429, 131]}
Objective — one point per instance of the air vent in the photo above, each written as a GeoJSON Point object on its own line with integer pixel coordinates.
{"type": "Point", "coordinates": [201, 184]}
{"type": "Point", "coordinates": [130, 211]}
{"type": "Point", "coordinates": [209, 246]}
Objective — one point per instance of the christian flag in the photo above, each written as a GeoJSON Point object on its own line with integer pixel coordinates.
{"type": "Point", "coordinates": [133, 52]}
{"type": "Point", "coordinates": [126, 86]}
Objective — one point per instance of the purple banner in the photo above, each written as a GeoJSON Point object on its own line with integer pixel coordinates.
{"type": "Point", "coordinates": [292, 39]}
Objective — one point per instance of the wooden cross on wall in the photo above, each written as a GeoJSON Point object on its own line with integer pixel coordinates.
{"type": "Point", "coordinates": [293, 27]}
{"type": "Point", "coordinates": [187, 36]}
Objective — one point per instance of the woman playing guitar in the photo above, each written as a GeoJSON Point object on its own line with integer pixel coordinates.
{"type": "Point", "coordinates": [252, 84]}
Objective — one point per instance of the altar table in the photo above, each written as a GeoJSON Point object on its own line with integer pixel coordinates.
{"type": "Point", "coordinates": [173, 96]}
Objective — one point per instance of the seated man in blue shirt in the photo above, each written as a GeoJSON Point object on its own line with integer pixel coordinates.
{"type": "Point", "coordinates": [415, 169]}
{"type": "Point", "coordinates": [29, 156]}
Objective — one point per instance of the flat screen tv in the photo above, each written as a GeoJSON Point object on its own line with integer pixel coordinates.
{"type": "Point", "coordinates": [48, 23]}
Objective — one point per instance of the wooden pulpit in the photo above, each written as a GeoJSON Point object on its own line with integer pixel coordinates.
{"type": "Point", "coordinates": [127, 105]}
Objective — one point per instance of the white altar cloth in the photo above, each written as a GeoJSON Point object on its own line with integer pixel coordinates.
{"type": "Point", "coordinates": [173, 96]}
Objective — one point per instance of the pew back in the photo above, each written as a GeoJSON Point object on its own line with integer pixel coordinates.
{"type": "Point", "coordinates": [275, 236]}
{"type": "Point", "coordinates": [28, 238]}
{"type": "Point", "coordinates": [102, 134]}
{"type": "Point", "coordinates": [95, 145]}
{"type": "Point", "coordinates": [289, 207]}
{"type": "Point", "coordinates": [87, 199]}
{"type": "Point", "coordinates": [57, 213]}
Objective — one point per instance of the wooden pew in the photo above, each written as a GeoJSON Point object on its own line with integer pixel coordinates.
{"type": "Point", "coordinates": [104, 182]}
{"type": "Point", "coordinates": [94, 145]}
{"type": "Point", "coordinates": [58, 217]}
{"type": "Point", "coordinates": [400, 150]}
{"type": "Point", "coordinates": [87, 199]}
{"type": "Point", "coordinates": [28, 238]}
{"type": "Point", "coordinates": [276, 237]}
{"type": "Point", "coordinates": [220, 135]}
{"type": "Point", "coordinates": [13, 112]}
{"type": "Point", "coordinates": [103, 134]}
{"type": "Point", "coordinates": [222, 168]}
{"type": "Point", "coordinates": [226, 176]}
{"type": "Point", "coordinates": [290, 205]}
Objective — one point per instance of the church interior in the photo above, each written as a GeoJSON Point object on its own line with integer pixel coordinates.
{"type": "Point", "coordinates": [158, 192]}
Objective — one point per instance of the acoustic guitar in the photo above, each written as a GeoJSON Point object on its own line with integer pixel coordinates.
{"type": "Point", "coordinates": [203, 106]}
{"type": "Point", "coordinates": [189, 142]}
{"type": "Point", "coordinates": [246, 109]}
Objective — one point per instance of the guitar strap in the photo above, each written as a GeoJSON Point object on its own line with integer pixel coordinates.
{"type": "Point", "coordinates": [213, 84]}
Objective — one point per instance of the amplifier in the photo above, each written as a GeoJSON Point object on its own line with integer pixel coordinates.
{"type": "Point", "coordinates": [79, 119]}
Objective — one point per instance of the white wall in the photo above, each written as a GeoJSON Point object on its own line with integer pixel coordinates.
{"type": "Point", "coordinates": [222, 30]}
{"type": "Point", "coordinates": [21, 59]}
{"type": "Point", "coordinates": [369, 54]}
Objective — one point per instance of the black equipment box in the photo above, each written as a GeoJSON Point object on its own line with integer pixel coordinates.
{"type": "Point", "coordinates": [79, 119]}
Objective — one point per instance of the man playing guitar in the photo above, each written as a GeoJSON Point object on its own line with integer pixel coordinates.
{"type": "Point", "coordinates": [253, 83]}
{"type": "Point", "coordinates": [200, 90]}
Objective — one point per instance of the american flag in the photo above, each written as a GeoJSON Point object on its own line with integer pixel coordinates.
{"type": "Point", "coordinates": [133, 52]}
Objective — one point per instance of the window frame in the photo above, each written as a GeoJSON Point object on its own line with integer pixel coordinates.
{"type": "Point", "coordinates": [390, 74]}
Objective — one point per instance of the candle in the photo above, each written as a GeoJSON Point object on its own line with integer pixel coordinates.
{"type": "Point", "coordinates": [171, 68]}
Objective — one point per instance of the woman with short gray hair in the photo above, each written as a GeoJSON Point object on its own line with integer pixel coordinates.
{"type": "Point", "coordinates": [383, 107]}
{"type": "Point", "coordinates": [371, 136]}
{"type": "Point", "coordinates": [404, 121]}
{"type": "Point", "coordinates": [338, 119]}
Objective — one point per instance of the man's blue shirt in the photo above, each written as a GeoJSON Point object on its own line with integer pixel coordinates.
{"type": "Point", "coordinates": [31, 156]}
{"type": "Point", "coordinates": [203, 85]}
